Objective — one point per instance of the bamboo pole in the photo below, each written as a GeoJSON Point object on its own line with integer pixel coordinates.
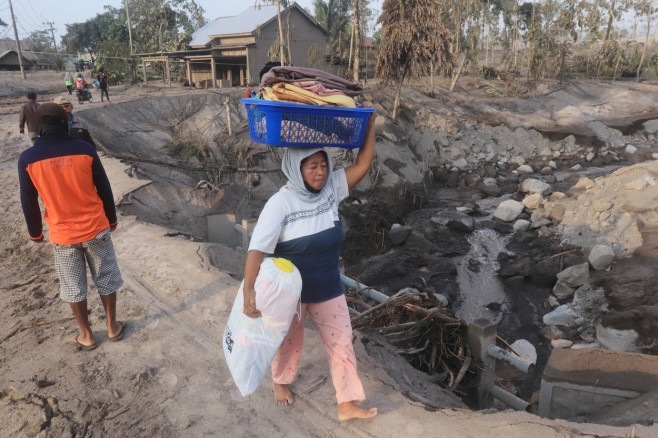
{"type": "Point", "coordinates": [228, 116]}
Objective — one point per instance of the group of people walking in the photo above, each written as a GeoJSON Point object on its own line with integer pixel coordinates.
{"type": "Point", "coordinates": [300, 222]}
{"type": "Point", "coordinates": [80, 84]}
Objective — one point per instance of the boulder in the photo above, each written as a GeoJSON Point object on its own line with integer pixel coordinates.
{"type": "Point", "coordinates": [532, 185]}
{"type": "Point", "coordinates": [601, 257]}
{"type": "Point", "coordinates": [508, 210]}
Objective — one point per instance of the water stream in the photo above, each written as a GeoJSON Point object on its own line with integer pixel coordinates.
{"type": "Point", "coordinates": [482, 293]}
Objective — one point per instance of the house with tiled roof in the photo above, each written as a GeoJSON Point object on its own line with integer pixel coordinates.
{"type": "Point", "coordinates": [235, 50]}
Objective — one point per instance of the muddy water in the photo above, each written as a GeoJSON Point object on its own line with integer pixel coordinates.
{"type": "Point", "coordinates": [482, 294]}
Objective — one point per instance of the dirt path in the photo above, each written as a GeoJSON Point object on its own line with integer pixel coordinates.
{"type": "Point", "coordinates": [167, 378]}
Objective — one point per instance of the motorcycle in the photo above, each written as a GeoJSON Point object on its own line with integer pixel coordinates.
{"type": "Point", "coordinates": [83, 96]}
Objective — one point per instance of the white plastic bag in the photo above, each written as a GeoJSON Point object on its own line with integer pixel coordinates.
{"type": "Point", "coordinates": [251, 343]}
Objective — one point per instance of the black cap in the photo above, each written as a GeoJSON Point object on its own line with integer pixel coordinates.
{"type": "Point", "coordinates": [31, 95]}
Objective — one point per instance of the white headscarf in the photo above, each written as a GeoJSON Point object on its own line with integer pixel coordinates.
{"type": "Point", "coordinates": [291, 167]}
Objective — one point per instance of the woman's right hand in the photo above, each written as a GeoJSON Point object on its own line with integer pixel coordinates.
{"type": "Point", "coordinates": [249, 307]}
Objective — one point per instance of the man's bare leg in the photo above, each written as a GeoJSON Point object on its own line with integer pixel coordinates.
{"type": "Point", "coordinates": [282, 395]}
{"type": "Point", "coordinates": [349, 410]}
{"type": "Point", "coordinates": [86, 337]}
{"type": "Point", "coordinates": [110, 307]}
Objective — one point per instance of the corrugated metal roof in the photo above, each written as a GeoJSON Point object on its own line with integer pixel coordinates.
{"type": "Point", "coordinates": [245, 22]}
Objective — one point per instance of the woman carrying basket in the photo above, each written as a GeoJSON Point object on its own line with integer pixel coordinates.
{"type": "Point", "coordinates": [300, 223]}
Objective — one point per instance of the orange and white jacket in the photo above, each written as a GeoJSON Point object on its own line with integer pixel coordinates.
{"type": "Point", "coordinates": [76, 193]}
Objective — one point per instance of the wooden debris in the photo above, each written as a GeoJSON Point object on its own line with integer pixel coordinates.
{"type": "Point", "coordinates": [429, 336]}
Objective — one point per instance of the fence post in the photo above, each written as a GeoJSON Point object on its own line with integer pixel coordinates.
{"type": "Point", "coordinates": [481, 336]}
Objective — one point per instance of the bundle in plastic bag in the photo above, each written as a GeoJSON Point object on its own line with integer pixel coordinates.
{"type": "Point", "coordinates": [251, 343]}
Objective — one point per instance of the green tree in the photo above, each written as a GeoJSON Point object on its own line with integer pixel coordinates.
{"type": "Point", "coordinates": [413, 38]}
{"type": "Point", "coordinates": [334, 17]}
{"type": "Point", "coordinates": [42, 39]}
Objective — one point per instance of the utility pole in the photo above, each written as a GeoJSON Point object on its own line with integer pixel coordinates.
{"type": "Point", "coordinates": [52, 32]}
{"type": "Point", "coordinates": [130, 32]}
{"type": "Point", "coordinates": [18, 45]}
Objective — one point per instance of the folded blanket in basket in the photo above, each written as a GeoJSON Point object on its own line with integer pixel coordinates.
{"type": "Point", "coordinates": [291, 93]}
{"type": "Point", "coordinates": [296, 74]}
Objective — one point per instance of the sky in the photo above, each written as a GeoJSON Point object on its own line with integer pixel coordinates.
{"type": "Point", "coordinates": [34, 15]}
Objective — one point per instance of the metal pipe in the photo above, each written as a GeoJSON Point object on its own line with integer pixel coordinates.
{"type": "Point", "coordinates": [371, 293]}
{"type": "Point", "coordinates": [510, 399]}
{"type": "Point", "coordinates": [516, 361]}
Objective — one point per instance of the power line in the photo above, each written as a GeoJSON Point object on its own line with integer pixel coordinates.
{"type": "Point", "coordinates": [35, 12]}
{"type": "Point", "coordinates": [29, 15]}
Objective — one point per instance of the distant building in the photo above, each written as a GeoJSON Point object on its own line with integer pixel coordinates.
{"type": "Point", "coordinates": [235, 51]}
{"type": "Point", "coordinates": [31, 60]}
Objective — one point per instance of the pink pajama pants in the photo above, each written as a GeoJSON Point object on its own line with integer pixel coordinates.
{"type": "Point", "coordinates": [333, 322]}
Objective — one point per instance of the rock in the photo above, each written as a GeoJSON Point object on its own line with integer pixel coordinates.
{"type": "Point", "coordinates": [532, 185]}
{"type": "Point", "coordinates": [584, 183]}
{"type": "Point", "coordinates": [575, 276]}
{"type": "Point", "coordinates": [576, 167]}
{"type": "Point", "coordinates": [398, 234]}
{"type": "Point", "coordinates": [508, 210]}
{"type": "Point", "coordinates": [587, 345]}
{"type": "Point", "coordinates": [533, 201]}
{"type": "Point", "coordinates": [525, 349]}
{"type": "Point", "coordinates": [557, 213]}
{"type": "Point", "coordinates": [521, 225]}
{"type": "Point", "coordinates": [590, 156]}
{"type": "Point", "coordinates": [551, 302]}
{"type": "Point", "coordinates": [601, 257]}
{"type": "Point", "coordinates": [562, 315]}
{"type": "Point", "coordinates": [630, 149]}
{"type": "Point", "coordinates": [537, 220]}
{"type": "Point", "coordinates": [491, 190]}
{"type": "Point", "coordinates": [442, 299]}
{"type": "Point", "coordinates": [543, 273]}
{"type": "Point", "coordinates": [651, 126]}
{"type": "Point", "coordinates": [617, 340]}
{"type": "Point", "coordinates": [390, 136]}
{"type": "Point", "coordinates": [636, 184]}
{"type": "Point", "coordinates": [455, 220]}
{"type": "Point", "coordinates": [551, 332]}
{"type": "Point", "coordinates": [460, 163]}
{"type": "Point", "coordinates": [561, 343]}
{"type": "Point", "coordinates": [525, 169]}
{"type": "Point", "coordinates": [563, 291]}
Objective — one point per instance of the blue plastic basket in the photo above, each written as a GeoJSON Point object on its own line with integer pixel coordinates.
{"type": "Point", "coordinates": [295, 125]}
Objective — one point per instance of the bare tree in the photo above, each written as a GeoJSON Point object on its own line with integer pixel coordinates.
{"type": "Point", "coordinates": [413, 38]}
{"type": "Point", "coordinates": [647, 8]}
{"type": "Point", "coordinates": [357, 39]}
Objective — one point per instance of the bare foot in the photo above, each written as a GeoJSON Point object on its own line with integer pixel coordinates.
{"type": "Point", "coordinates": [348, 410]}
{"type": "Point", "coordinates": [282, 395]}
